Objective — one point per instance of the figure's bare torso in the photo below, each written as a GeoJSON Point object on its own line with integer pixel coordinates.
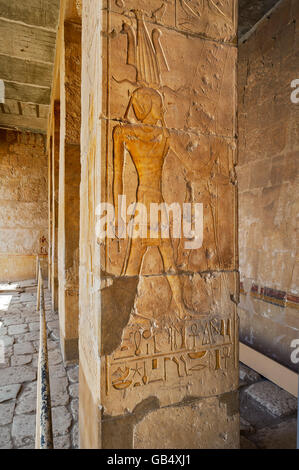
{"type": "Point", "coordinates": [148, 148]}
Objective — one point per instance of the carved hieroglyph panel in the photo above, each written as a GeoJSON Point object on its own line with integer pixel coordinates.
{"type": "Point", "coordinates": [215, 19]}
{"type": "Point", "coordinates": [196, 77]}
{"type": "Point", "coordinates": [172, 359]}
{"type": "Point", "coordinates": [155, 11]}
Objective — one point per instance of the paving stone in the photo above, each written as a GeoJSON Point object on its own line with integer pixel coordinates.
{"type": "Point", "coordinates": [30, 445]}
{"type": "Point", "coordinates": [75, 408]}
{"type": "Point", "coordinates": [21, 360]}
{"type": "Point", "coordinates": [23, 429]}
{"type": "Point", "coordinates": [6, 412]}
{"type": "Point", "coordinates": [57, 370]}
{"type": "Point", "coordinates": [7, 341]}
{"type": "Point", "coordinates": [27, 399]}
{"type": "Point", "coordinates": [27, 297]}
{"type": "Point", "coordinates": [14, 308]}
{"type": "Point", "coordinates": [7, 447]}
{"type": "Point", "coordinates": [248, 375]}
{"type": "Point", "coordinates": [17, 329]}
{"type": "Point", "coordinates": [34, 362]}
{"type": "Point", "coordinates": [273, 398]}
{"type": "Point", "coordinates": [75, 436]}
{"type": "Point", "coordinates": [31, 318]}
{"type": "Point", "coordinates": [52, 345]}
{"type": "Point", "coordinates": [16, 375]}
{"type": "Point", "coordinates": [62, 420]}
{"type": "Point", "coordinates": [53, 325]}
{"type": "Point", "coordinates": [74, 390]}
{"type": "Point", "coordinates": [5, 438]}
{"type": "Point", "coordinates": [280, 436]}
{"type": "Point", "coordinates": [73, 374]}
{"type": "Point", "coordinates": [59, 393]}
{"type": "Point", "coordinates": [54, 357]}
{"type": "Point", "coordinates": [246, 443]}
{"type": "Point", "coordinates": [62, 442]}
{"type": "Point", "coordinates": [9, 392]}
{"type": "Point", "coordinates": [27, 337]}
{"type": "Point", "coordinates": [13, 320]}
{"type": "Point", "coordinates": [5, 364]}
{"type": "Point", "coordinates": [34, 326]}
{"type": "Point", "coordinates": [3, 331]}
{"type": "Point", "coordinates": [23, 348]}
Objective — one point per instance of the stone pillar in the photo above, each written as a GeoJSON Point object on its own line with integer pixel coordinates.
{"type": "Point", "coordinates": [50, 212]}
{"type": "Point", "coordinates": [158, 339]}
{"type": "Point", "coordinates": [55, 188]}
{"type": "Point", "coordinates": [69, 184]}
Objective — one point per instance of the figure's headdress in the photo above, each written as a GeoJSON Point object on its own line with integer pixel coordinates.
{"type": "Point", "coordinates": [145, 53]}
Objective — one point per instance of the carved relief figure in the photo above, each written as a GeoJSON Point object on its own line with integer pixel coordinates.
{"type": "Point", "coordinates": [147, 142]}
{"type": "Point", "coordinates": [158, 349]}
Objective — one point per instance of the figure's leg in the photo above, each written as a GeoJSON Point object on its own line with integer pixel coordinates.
{"type": "Point", "coordinates": [134, 259]}
{"type": "Point", "coordinates": [166, 251]}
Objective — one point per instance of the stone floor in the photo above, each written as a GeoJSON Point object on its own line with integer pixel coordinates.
{"type": "Point", "coordinates": [19, 337]}
{"type": "Point", "coordinates": [268, 414]}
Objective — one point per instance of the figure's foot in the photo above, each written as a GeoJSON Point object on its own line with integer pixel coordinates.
{"type": "Point", "coordinates": [186, 313]}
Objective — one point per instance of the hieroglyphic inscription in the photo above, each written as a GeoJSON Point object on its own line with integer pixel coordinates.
{"type": "Point", "coordinates": [180, 350]}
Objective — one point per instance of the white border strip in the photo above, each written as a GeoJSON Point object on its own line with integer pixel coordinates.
{"type": "Point", "coordinates": [272, 370]}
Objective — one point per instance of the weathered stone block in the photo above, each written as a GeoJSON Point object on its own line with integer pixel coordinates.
{"type": "Point", "coordinates": [248, 375]}
{"type": "Point", "coordinates": [23, 348]}
{"type": "Point", "coordinates": [5, 437]}
{"type": "Point", "coordinates": [271, 397]}
{"type": "Point", "coordinates": [17, 375]}
{"type": "Point", "coordinates": [23, 429]}
{"type": "Point", "coordinates": [6, 412]}
{"type": "Point", "coordinates": [8, 392]}
{"type": "Point", "coordinates": [280, 436]}
{"type": "Point", "coordinates": [17, 329]}
{"type": "Point", "coordinates": [62, 420]}
{"type": "Point", "coordinates": [27, 399]}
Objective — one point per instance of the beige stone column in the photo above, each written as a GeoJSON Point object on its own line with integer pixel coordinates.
{"type": "Point", "coordinates": [50, 212]}
{"type": "Point", "coordinates": [55, 188]}
{"type": "Point", "coordinates": [69, 183]}
{"type": "Point", "coordinates": [158, 339]}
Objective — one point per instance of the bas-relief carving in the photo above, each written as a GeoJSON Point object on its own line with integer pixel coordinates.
{"type": "Point", "coordinates": [156, 11]}
{"type": "Point", "coordinates": [212, 18]}
{"type": "Point", "coordinates": [156, 352]}
{"type": "Point", "coordinates": [204, 164]}
{"type": "Point", "coordinates": [200, 101]}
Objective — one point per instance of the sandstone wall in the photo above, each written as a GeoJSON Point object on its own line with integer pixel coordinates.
{"type": "Point", "coordinates": [158, 341]}
{"type": "Point", "coordinates": [268, 184]}
{"type": "Point", "coordinates": [23, 204]}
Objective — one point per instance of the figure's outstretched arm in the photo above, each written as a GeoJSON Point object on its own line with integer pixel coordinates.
{"type": "Point", "coordinates": [118, 165]}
